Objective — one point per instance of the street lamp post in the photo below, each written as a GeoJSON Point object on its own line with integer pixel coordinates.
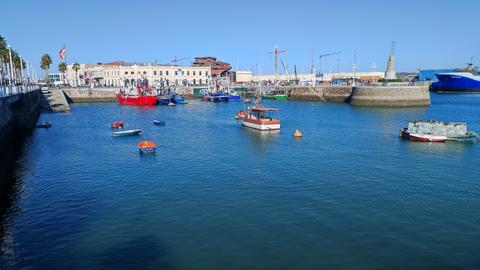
{"type": "Point", "coordinates": [373, 71]}
{"type": "Point", "coordinates": [21, 69]}
{"type": "Point", "coordinates": [11, 64]}
{"type": "Point", "coordinates": [28, 73]}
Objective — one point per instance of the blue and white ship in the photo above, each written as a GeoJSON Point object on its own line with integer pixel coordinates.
{"type": "Point", "coordinates": [457, 82]}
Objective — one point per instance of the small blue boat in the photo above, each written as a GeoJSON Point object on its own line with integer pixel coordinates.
{"type": "Point", "coordinates": [159, 123]}
{"type": "Point", "coordinates": [234, 98]}
{"type": "Point", "coordinates": [168, 97]}
{"type": "Point", "coordinates": [217, 97]}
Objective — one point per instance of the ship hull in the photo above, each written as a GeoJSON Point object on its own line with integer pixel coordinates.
{"type": "Point", "coordinates": [138, 101]}
{"type": "Point", "coordinates": [262, 125]}
{"type": "Point", "coordinates": [459, 82]}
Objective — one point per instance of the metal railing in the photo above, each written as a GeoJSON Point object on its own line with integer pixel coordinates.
{"type": "Point", "coordinates": [7, 91]}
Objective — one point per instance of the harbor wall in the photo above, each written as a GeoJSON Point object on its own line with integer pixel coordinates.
{"type": "Point", "coordinates": [319, 93]}
{"type": "Point", "coordinates": [390, 96]}
{"type": "Point", "coordinates": [81, 95]}
{"type": "Point", "coordinates": [18, 116]}
{"type": "Point", "coordinates": [106, 94]}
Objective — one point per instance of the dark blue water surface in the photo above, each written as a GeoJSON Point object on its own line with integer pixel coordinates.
{"type": "Point", "coordinates": [350, 194]}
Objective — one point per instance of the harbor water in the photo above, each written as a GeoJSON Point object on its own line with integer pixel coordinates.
{"type": "Point", "coordinates": [348, 195]}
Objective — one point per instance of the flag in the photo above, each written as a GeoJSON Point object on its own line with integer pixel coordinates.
{"type": "Point", "coordinates": [62, 52]}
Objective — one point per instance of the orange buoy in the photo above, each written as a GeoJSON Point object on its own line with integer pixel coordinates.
{"type": "Point", "coordinates": [297, 134]}
{"type": "Point", "coordinates": [147, 147]}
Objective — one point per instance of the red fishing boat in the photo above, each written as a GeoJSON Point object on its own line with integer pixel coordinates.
{"type": "Point", "coordinates": [143, 97]}
{"type": "Point", "coordinates": [118, 124]}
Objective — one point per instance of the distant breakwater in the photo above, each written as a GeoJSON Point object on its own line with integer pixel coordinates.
{"type": "Point", "coordinates": [390, 96]}
{"type": "Point", "coordinates": [384, 96]}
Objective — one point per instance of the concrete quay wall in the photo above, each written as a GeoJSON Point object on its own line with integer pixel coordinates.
{"type": "Point", "coordinates": [319, 93]}
{"type": "Point", "coordinates": [390, 96]}
{"type": "Point", "coordinates": [18, 116]}
{"type": "Point", "coordinates": [81, 95]}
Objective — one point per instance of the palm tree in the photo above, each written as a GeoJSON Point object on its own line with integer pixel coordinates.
{"type": "Point", "coordinates": [45, 63]}
{"type": "Point", "coordinates": [62, 68]}
{"type": "Point", "coordinates": [76, 67]}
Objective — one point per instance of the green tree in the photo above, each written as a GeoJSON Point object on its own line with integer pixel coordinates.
{"type": "Point", "coordinates": [76, 67]}
{"type": "Point", "coordinates": [62, 68]}
{"type": "Point", "coordinates": [45, 63]}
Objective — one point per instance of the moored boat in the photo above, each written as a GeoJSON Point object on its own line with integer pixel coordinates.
{"type": "Point", "coordinates": [46, 125]}
{"type": "Point", "coordinates": [127, 132]}
{"type": "Point", "coordinates": [159, 123]}
{"type": "Point", "coordinates": [216, 97]}
{"type": "Point", "coordinates": [426, 130]}
{"type": "Point", "coordinates": [427, 138]}
{"type": "Point", "coordinates": [143, 97]}
{"type": "Point", "coordinates": [261, 118]}
{"type": "Point", "coordinates": [462, 81]}
{"type": "Point", "coordinates": [117, 124]}
{"type": "Point", "coordinates": [241, 114]}
{"type": "Point", "coordinates": [146, 147]}
{"type": "Point", "coordinates": [456, 82]}
{"type": "Point", "coordinates": [275, 96]}
{"type": "Point", "coordinates": [234, 98]}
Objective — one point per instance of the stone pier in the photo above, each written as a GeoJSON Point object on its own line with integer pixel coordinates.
{"type": "Point", "coordinates": [390, 96]}
{"type": "Point", "coordinates": [319, 93]}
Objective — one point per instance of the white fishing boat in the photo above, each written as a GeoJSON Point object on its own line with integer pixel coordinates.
{"type": "Point", "coordinates": [127, 132]}
{"type": "Point", "coordinates": [261, 118]}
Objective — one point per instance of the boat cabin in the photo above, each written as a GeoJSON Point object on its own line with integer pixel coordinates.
{"type": "Point", "coordinates": [263, 113]}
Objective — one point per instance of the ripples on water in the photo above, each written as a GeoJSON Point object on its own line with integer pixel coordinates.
{"type": "Point", "coordinates": [349, 194]}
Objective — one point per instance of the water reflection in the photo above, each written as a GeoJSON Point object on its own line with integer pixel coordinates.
{"type": "Point", "coordinates": [10, 189]}
{"type": "Point", "coordinates": [261, 140]}
{"type": "Point", "coordinates": [446, 148]}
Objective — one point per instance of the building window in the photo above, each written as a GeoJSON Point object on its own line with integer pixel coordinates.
{"type": "Point", "coordinates": [176, 73]}
{"type": "Point", "coordinates": [161, 73]}
{"type": "Point", "coordinates": [206, 73]}
{"type": "Point", "coordinates": [200, 73]}
{"type": "Point", "coordinates": [188, 73]}
{"type": "Point", "coordinates": [168, 81]}
{"type": "Point", "coordinates": [132, 72]}
{"type": "Point", "coordinates": [193, 74]}
{"type": "Point", "coordinates": [194, 82]}
{"type": "Point", "coordinates": [126, 72]}
{"type": "Point", "coordinates": [200, 81]}
{"type": "Point", "coordinates": [166, 72]}
{"type": "Point", "coordinates": [154, 72]}
{"type": "Point", "coordinates": [145, 73]}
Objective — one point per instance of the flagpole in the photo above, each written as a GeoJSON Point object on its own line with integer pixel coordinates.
{"type": "Point", "coordinates": [66, 65]}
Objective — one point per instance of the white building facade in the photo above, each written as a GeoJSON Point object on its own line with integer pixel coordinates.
{"type": "Point", "coordinates": [116, 74]}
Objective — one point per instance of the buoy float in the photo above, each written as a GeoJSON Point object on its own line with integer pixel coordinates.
{"type": "Point", "coordinates": [297, 134]}
{"type": "Point", "coordinates": [147, 147]}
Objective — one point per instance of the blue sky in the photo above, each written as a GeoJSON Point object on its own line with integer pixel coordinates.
{"type": "Point", "coordinates": [428, 34]}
